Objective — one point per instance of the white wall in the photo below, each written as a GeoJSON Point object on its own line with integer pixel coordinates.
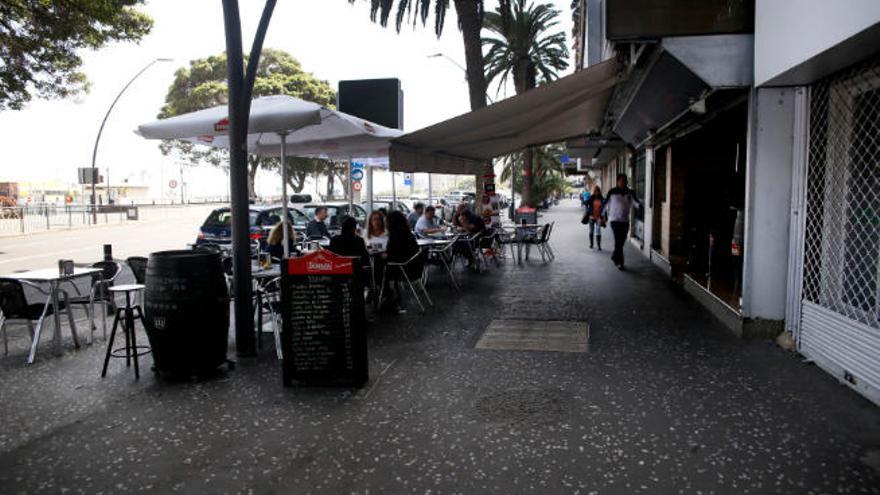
{"type": "Point", "coordinates": [768, 203]}
{"type": "Point", "coordinates": [790, 32]}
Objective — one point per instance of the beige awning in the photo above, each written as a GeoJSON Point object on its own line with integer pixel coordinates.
{"type": "Point", "coordinates": [568, 108]}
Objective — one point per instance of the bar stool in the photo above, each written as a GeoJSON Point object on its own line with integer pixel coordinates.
{"type": "Point", "coordinates": [126, 317]}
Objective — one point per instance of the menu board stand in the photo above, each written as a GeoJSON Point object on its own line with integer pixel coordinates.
{"type": "Point", "coordinates": [323, 335]}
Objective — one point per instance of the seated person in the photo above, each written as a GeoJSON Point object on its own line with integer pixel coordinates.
{"type": "Point", "coordinates": [459, 211]}
{"type": "Point", "coordinates": [471, 224]}
{"type": "Point", "coordinates": [413, 218]}
{"type": "Point", "coordinates": [427, 224]}
{"type": "Point", "coordinates": [376, 235]}
{"type": "Point", "coordinates": [275, 242]}
{"type": "Point", "coordinates": [402, 246]}
{"type": "Point", "coordinates": [348, 243]}
{"type": "Point", "coordinates": [316, 228]}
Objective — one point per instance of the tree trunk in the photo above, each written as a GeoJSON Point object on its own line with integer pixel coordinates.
{"type": "Point", "coordinates": [331, 178]}
{"type": "Point", "coordinates": [527, 194]}
{"type": "Point", "coordinates": [253, 166]}
{"type": "Point", "coordinates": [471, 21]}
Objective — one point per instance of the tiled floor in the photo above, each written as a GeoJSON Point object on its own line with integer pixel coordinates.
{"type": "Point", "coordinates": [664, 401]}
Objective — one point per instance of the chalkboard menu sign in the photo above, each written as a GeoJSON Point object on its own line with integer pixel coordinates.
{"type": "Point", "coordinates": [324, 330]}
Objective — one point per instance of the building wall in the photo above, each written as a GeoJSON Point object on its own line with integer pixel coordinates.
{"type": "Point", "coordinates": [791, 32]}
{"type": "Point", "coordinates": [768, 202]}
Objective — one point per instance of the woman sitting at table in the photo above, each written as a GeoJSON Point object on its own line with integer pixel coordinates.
{"type": "Point", "coordinates": [348, 243]}
{"type": "Point", "coordinates": [376, 234]}
{"type": "Point", "coordinates": [402, 246]}
{"type": "Point", "coordinates": [275, 242]}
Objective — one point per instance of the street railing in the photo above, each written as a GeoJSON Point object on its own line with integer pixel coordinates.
{"type": "Point", "coordinates": [18, 220]}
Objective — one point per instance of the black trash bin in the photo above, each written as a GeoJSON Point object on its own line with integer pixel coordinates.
{"type": "Point", "coordinates": [187, 311]}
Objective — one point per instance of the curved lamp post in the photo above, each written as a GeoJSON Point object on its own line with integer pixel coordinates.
{"type": "Point", "coordinates": [101, 129]}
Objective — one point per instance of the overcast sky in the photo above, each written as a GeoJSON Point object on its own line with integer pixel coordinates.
{"type": "Point", "coordinates": [332, 39]}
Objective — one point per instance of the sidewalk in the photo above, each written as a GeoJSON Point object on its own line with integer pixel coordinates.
{"type": "Point", "coordinates": [663, 401]}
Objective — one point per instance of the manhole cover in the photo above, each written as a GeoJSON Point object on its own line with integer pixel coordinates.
{"type": "Point", "coordinates": [535, 335]}
{"type": "Point", "coordinates": [522, 405]}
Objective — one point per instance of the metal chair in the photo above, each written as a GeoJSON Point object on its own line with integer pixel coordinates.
{"type": "Point", "coordinates": [15, 308]}
{"type": "Point", "coordinates": [539, 241]}
{"type": "Point", "coordinates": [138, 265]}
{"type": "Point", "coordinates": [271, 301]}
{"type": "Point", "coordinates": [99, 294]}
{"type": "Point", "coordinates": [442, 257]}
{"type": "Point", "coordinates": [411, 271]}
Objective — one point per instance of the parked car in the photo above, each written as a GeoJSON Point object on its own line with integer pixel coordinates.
{"type": "Point", "coordinates": [336, 212]}
{"type": "Point", "coordinates": [379, 204]}
{"type": "Point", "coordinates": [217, 228]}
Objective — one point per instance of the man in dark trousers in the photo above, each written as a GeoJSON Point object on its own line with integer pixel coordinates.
{"type": "Point", "coordinates": [618, 204]}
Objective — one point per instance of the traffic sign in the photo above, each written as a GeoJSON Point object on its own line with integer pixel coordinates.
{"type": "Point", "coordinates": [355, 165]}
{"type": "Point", "coordinates": [357, 174]}
{"type": "Point", "coordinates": [172, 183]}
{"type": "Point", "coordinates": [407, 179]}
{"type": "Point", "coordinates": [356, 186]}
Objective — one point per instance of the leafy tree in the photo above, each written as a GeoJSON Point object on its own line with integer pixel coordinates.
{"type": "Point", "coordinates": [520, 50]}
{"type": "Point", "coordinates": [41, 42]}
{"type": "Point", "coordinates": [548, 178]}
{"type": "Point", "coordinates": [203, 85]}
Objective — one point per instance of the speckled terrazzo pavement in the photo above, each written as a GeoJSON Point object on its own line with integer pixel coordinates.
{"type": "Point", "coordinates": [664, 401]}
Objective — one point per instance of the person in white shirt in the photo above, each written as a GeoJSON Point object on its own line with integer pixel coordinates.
{"type": "Point", "coordinates": [618, 204]}
{"type": "Point", "coordinates": [375, 234]}
{"type": "Point", "coordinates": [427, 225]}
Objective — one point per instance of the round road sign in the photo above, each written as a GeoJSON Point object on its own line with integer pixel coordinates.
{"type": "Point", "coordinates": [357, 174]}
{"type": "Point", "coordinates": [356, 186]}
{"type": "Point", "coordinates": [172, 183]}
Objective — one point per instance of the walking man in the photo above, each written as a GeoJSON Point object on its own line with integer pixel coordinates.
{"type": "Point", "coordinates": [618, 204]}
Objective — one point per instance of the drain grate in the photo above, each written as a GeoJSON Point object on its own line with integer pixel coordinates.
{"type": "Point", "coordinates": [535, 335]}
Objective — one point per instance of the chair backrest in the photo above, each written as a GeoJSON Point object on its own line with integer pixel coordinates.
{"type": "Point", "coordinates": [545, 233]}
{"type": "Point", "coordinates": [138, 265]}
{"type": "Point", "coordinates": [12, 300]}
{"type": "Point", "coordinates": [109, 270]}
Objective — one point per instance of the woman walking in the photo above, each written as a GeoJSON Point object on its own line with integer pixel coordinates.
{"type": "Point", "coordinates": [594, 216]}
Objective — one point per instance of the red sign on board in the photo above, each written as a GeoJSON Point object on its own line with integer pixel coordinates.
{"type": "Point", "coordinates": [320, 263]}
{"type": "Point", "coordinates": [221, 125]}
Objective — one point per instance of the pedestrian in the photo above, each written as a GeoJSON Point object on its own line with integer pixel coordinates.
{"type": "Point", "coordinates": [595, 220]}
{"type": "Point", "coordinates": [618, 204]}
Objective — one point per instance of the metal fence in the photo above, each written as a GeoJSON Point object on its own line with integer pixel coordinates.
{"type": "Point", "coordinates": [29, 219]}
{"type": "Point", "coordinates": [842, 229]}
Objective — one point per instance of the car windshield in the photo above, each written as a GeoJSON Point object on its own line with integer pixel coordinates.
{"type": "Point", "coordinates": [223, 218]}
{"type": "Point", "coordinates": [272, 217]}
{"type": "Point", "coordinates": [310, 211]}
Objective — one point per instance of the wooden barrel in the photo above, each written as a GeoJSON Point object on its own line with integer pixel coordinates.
{"type": "Point", "coordinates": [186, 311]}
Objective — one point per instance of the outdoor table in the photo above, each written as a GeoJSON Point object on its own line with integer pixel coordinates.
{"type": "Point", "coordinates": [521, 231]}
{"type": "Point", "coordinates": [54, 279]}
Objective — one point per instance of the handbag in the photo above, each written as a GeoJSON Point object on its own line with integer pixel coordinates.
{"type": "Point", "coordinates": [585, 219]}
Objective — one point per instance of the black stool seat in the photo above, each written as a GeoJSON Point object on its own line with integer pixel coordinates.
{"type": "Point", "coordinates": [126, 316]}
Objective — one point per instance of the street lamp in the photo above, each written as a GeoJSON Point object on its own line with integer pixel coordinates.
{"type": "Point", "coordinates": [101, 129]}
{"type": "Point", "coordinates": [463, 69]}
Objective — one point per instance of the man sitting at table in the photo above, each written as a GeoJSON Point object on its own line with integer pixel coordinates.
{"type": "Point", "coordinates": [316, 228]}
{"type": "Point", "coordinates": [413, 218]}
{"type": "Point", "coordinates": [427, 224]}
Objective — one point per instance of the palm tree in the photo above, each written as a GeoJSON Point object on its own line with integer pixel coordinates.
{"type": "Point", "coordinates": [521, 51]}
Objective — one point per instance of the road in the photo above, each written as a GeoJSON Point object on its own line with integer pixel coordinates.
{"type": "Point", "coordinates": [158, 229]}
